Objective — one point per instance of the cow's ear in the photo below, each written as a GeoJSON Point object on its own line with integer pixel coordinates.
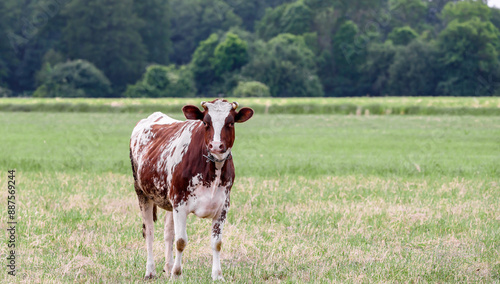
{"type": "Point", "coordinates": [244, 114]}
{"type": "Point", "coordinates": [192, 112]}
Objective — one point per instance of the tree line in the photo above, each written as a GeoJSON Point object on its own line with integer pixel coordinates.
{"type": "Point", "coordinates": [279, 48]}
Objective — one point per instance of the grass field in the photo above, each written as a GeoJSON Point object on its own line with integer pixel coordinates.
{"type": "Point", "coordinates": [318, 198]}
{"type": "Point", "coordinates": [360, 105]}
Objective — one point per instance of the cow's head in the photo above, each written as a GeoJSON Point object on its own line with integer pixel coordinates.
{"type": "Point", "coordinates": [218, 119]}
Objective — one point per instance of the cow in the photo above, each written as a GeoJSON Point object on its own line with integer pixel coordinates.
{"type": "Point", "coordinates": [185, 167]}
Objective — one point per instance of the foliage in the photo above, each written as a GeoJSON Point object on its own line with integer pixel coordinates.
{"type": "Point", "coordinates": [347, 61]}
{"type": "Point", "coordinates": [5, 92]}
{"type": "Point", "coordinates": [287, 66]}
{"type": "Point", "coordinates": [251, 89]}
{"type": "Point", "coordinates": [415, 70]}
{"type": "Point", "coordinates": [106, 33]}
{"type": "Point", "coordinates": [376, 68]}
{"type": "Point", "coordinates": [155, 31]}
{"type": "Point", "coordinates": [294, 18]}
{"type": "Point", "coordinates": [123, 37]}
{"type": "Point", "coordinates": [202, 64]}
{"type": "Point", "coordinates": [469, 51]}
{"type": "Point", "coordinates": [230, 55]}
{"type": "Point", "coordinates": [402, 36]}
{"type": "Point", "coordinates": [194, 21]}
{"type": "Point", "coordinates": [77, 78]}
{"type": "Point", "coordinates": [407, 12]}
{"type": "Point", "coordinates": [163, 81]}
{"type": "Point", "coordinates": [466, 10]}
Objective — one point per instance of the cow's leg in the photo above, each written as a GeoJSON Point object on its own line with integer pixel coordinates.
{"type": "Point", "coordinates": [180, 216]}
{"type": "Point", "coordinates": [216, 241]}
{"type": "Point", "coordinates": [147, 207]}
{"type": "Point", "coordinates": [169, 241]}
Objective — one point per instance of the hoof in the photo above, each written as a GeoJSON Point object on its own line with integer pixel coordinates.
{"type": "Point", "coordinates": [217, 276]}
{"type": "Point", "coordinates": [149, 275]}
{"type": "Point", "coordinates": [176, 272]}
{"type": "Point", "coordinates": [167, 267]}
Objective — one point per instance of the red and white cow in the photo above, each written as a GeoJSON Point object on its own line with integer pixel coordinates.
{"type": "Point", "coordinates": [185, 167]}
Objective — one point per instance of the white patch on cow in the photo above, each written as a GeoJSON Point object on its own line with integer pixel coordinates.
{"type": "Point", "coordinates": [196, 180]}
{"type": "Point", "coordinates": [142, 134]}
{"type": "Point", "coordinates": [208, 200]}
{"type": "Point", "coordinates": [175, 149]}
{"type": "Point", "coordinates": [218, 111]}
{"type": "Point", "coordinates": [172, 151]}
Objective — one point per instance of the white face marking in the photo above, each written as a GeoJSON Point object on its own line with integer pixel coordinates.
{"type": "Point", "coordinates": [218, 111]}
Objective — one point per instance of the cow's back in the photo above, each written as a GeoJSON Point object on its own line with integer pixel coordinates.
{"type": "Point", "coordinates": [157, 145]}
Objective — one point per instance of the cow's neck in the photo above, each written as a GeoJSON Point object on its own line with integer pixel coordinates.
{"type": "Point", "coordinates": [218, 174]}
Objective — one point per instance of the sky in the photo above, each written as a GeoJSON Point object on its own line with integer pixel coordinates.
{"type": "Point", "coordinates": [494, 3]}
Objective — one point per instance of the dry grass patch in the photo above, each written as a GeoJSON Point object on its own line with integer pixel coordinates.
{"type": "Point", "coordinates": [87, 228]}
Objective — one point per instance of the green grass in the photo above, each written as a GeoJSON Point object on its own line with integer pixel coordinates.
{"type": "Point", "coordinates": [363, 105]}
{"type": "Point", "coordinates": [318, 198]}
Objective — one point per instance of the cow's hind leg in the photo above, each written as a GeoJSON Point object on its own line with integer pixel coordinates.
{"type": "Point", "coordinates": [148, 211]}
{"type": "Point", "coordinates": [169, 241]}
{"type": "Point", "coordinates": [180, 216]}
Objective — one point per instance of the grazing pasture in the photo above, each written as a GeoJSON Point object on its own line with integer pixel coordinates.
{"type": "Point", "coordinates": [317, 198]}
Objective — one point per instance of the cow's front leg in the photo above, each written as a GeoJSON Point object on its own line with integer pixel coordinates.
{"type": "Point", "coordinates": [180, 216]}
{"type": "Point", "coordinates": [216, 242]}
{"type": "Point", "coordinates": [148, 231]}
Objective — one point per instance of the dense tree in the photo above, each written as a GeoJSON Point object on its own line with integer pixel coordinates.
{"type": "Point", "coordinates": [469, 52]}
{"type": "Point", "coordinates": [106, 32]}
{"type": "Point", "coordinates": [4, 46]}
{"type": "Point", "coordinates": [415, 70]}
{"type": "Point", "coordinates": [407, 12]}
{"type": "Point", "coordinates": [287, 66]}
{"type": "Point", "coordinates": [348, 59]}
{"type": "Point", "coordinates": [194, 21]}
{"type": "Point", "coordinates": [402, 36]}
{"type": "Point", "coordinates": [155, 31]}
{"type": "Point", "coordinates": [376, 68]}
{"type": "Point", "coordinates": [202, 64]}
{"type": "Point", "coordinates": [294, 18]}
{"type": "Point", "coordinates": [77, 78]}
{"type": "Point", "coordinates": [251, 89]}
{"type": "Point", "coordinates": [229, 55]}
{"type": "Point", "coordinates": [495, 17]}
{"type": "Point", "coordinates": [163, 81]}
{"type": "Point", "coordinates": [357, 47]}
{"type": "Point", "coordinates": [466, 10]}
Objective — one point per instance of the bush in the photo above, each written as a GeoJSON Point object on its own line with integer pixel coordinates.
{"type": "Point", "coordinates": [5, 92]}
{"type": "Point", "coordinates": [287, 66]}
{"type": "Point", "coordinates": [251, 89]}
{"type": "Point", "coordinates": [78, 78]}
{"type": "Point", "coordinates": [402, 36]}
{"type": "Point", "coordinates": [163, 81]}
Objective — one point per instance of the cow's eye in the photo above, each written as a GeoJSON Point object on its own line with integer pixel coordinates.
{"type": "Point", "coordinates": [231, 124]}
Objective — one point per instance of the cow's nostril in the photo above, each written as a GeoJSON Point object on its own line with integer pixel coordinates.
{"type": "Point", "coordinates": [221, 146]}
{"type": "Point", "coordinates": [210, 146]}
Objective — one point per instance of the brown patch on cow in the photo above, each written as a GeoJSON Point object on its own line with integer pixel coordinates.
{"type": "Point", "coordinates": [158, 119]}
{"type": "Point", "coordinates": [181, 244]}
{"type": "Point", "coordinates": [218, 246]}
{"type": "Point", "coordinates": [143, 230]}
